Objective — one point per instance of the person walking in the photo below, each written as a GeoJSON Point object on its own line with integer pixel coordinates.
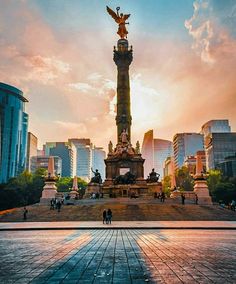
{"type": "Point", "coordinates": [59, 206]}
{"type": "Point", "coordinates": [109, 216]}
{"type": "Point", "coordinates": [25, 214]}
{"type": "Point", "coordinates": [163, 197]}
{"type": "Point", "coordinates": [104, 216]}
{"type": "Point", "coordinates": [183, 198]}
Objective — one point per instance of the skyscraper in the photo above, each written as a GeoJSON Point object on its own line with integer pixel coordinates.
{"type": "Point", "coordinates": [148, 152]}
{"type": "Point", "coordinates": [65, 152]}
{"type": "Point", "coordinates": [32, 148]}
{"type": "Point", "coordinates": [219, 146]}
{"type": "Point", "coordinates": [13, 132]}
{"type": "Point", "coordinates": [83, 157]}
{"type": "Point", "coordinates": [215, 126]}
{"type": "Point", "coordinates": [186, 144]}
{"type": "Point", "coordinates": [162, 150]}
{"type": "Point", "coordinates": [155, 151]}
{"type": "Point", "coordinates": [98, 160]}
{"type": "Point", "coordinates": [37, 162]}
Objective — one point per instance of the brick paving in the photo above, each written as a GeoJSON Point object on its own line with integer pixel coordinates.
{"type": "Point", "coordinates": [118, 256]}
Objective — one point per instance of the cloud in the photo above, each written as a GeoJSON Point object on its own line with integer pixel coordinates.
{"type": "Point", "coordinates": [211, 40]}
{"type": "Point", "coordinates": [83, 87]}
{"type": "Point", "coordinates": [201, 29]}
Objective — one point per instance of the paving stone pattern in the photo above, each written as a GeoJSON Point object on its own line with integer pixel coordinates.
{"type": "Point", "coordinates": [118, 256]}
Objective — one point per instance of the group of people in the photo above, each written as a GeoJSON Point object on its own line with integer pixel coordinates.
{"type": "Point", "coordinates": [107, 216]}
{"type": "Point", "coordinates": [96, 195]}
{"type": "Point", "coordinates": [56, 204]}
{"type": "Point", "coordinates": [161, 196]}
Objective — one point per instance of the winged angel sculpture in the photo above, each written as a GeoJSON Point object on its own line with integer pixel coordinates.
{"type": "Point", "coordinates": [120, 20]}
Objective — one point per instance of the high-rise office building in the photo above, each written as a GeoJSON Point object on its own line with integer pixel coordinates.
{"type": "Point", "coordinates": [148, 152]}
{"type": "Point", "coordinates": [83, 157]}
{"type": "Point", "coordinates": [162, 150]}
{"type": "Point", "coordinates": [13, 132]}
{"type": "Point", "coordinates": [219, 146]}
{"type": "Point", "coordinates": [228, 166]}
{"type": "Point", "coordinates": [215, 126]}
{"type": "Point", "coordinates": [65, 152]}
{"type": "Point", "coordinates": [186, 144]}
{"type": "Point", "coordinates": [37, 162]}
{"type": "Point", "coordinates": [32, 148]}
{"type": "Point", "coordinates": [155, 151]}
{"type": "Point", "coordinates": [190, 162]}
{"type": "Point", "coordinates": [98, 160]}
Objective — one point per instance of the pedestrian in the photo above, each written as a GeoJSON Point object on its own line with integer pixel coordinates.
{"type": "Point", "coordinates": [104, 216]}
{"type": "Point", "coordinates": [163, 197]}
{"type": "Point", "coordinates": [25, 214]}
{"type": "Point", "coordinates": [109, 216]}
{"type": "Point", "coordinates": [52, 204]}
{"type": "Point", "coordinates": [183, 198]}
{"type": "Point", "coordinates": [196, 200]}
{"type": "Point", "coordinates": [59, 206]}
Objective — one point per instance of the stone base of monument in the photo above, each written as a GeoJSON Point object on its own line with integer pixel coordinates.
{"type": "Point", "coordinates": [92, 188]}
{"type": "Point", "coordinates": [154, 187]}
{"type": "Point", "coordinates": [189, 195]}
{"type": "Point", "coordinates": [125, 190]}
{"type": "Point", "coordinates": [202, 192]}
{"type": "Point", "coordinates": [73, 194]}
{"type": "Point", "coordinates": [49, 192]}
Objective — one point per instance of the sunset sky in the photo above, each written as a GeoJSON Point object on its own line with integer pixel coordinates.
{"type": "Point", "coordinates": [60, 54]}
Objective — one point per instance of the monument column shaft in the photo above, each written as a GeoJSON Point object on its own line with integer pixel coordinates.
{"type": "Point", "coordinates": [123, 57]}
{"type": "Point", "coordinates": [123, 118]}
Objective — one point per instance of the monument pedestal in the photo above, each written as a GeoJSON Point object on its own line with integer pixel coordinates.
{"type": "Point", "coordinates": [92, 188]}
{"type": "Point", "coordinates": [49, 191]}
{"type": "Point", "coordinates": [202, 192]}
{"type": "Point", "coordinates": [73, 194]}
{"type": "Point", "coordinates": [154, 187]}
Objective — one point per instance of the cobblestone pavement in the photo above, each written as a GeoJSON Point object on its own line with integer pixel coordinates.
{"type": "Point", "coordinates": [118, 256]}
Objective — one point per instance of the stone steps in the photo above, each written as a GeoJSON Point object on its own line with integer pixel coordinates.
{"type": "Point", "coordinates": [122, 212]}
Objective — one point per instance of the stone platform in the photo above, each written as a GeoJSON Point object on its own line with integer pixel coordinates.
{"type": "Point", "coordinates": [118, 256]}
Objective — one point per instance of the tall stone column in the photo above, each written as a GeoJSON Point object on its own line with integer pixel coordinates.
{"type": "Point", "coordinates": [123, 56]}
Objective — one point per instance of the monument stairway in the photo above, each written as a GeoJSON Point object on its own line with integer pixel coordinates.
{"type": "Point", "coordinates": [126, 210]}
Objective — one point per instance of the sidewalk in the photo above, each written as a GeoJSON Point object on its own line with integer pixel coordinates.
{"type": "Point", "coordinates": [82, 225]}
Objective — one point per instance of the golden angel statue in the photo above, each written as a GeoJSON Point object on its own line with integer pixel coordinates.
{"type": "Point", "coordinates": [120, 20]}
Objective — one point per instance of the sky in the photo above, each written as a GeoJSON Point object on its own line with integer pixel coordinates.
{"type": "Point", "coordinates": [60, 54]}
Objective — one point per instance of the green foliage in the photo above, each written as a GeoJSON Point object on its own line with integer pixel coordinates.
{"type": "Point", "coordinates": [214, 177]}
{"type": "Point", "coordinates": [166, 185]}
{"type": "Point", "coordinates": [64, 184]}
{"type": "Point", "coordinates": [220, 187]}
{"type": "Point", "coordinates": [183, 179]}
{"type": "Point", "coordinates": [22, 190]}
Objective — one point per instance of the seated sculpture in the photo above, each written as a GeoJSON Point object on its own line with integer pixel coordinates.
{"type": "Point", "coordinates": [127, 178]}
{"type": "Point", "coordinates": [97, 177]}
{"type": "Point", "coordinates": [153, 176]}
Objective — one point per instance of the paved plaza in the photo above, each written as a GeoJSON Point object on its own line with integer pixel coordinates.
{"type": "Point", "coordinates": [118, 256]}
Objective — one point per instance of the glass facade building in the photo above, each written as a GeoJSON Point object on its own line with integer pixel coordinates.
{"type": "Point", "coordinates": [162, 150]}
{"type": "Point", "coordinates": [64, 151]}
{"type": "Point", "coordinates": [98, 160]}
{"type": "Point", "coordinates": [83, 157]}
{"type": "Point", "coordinates": [186, 144]}
{"type": "Point", "coordinates": [215, 126]}
{"type": "Point", "coordinates": [13, 132]}
{"type": "Point", "coordinates": [38, 162]}
{"type": "Point", "coordinates": [218, 146]}
{"type": "Point", "coordinates": [228, 166]}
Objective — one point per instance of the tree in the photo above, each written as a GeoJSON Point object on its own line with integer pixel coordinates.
{"type": "Point", "coordinates": [221, 187]}
{"type": "Point", "coordinates": [166, 185]}
{"type": "Point", "coordinates": [64, 184]}
{"type": "Point", "coordinates": [183, 179]}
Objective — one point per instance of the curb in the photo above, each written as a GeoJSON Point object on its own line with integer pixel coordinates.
{"type": "Point", "coordinates": [117, 228]}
